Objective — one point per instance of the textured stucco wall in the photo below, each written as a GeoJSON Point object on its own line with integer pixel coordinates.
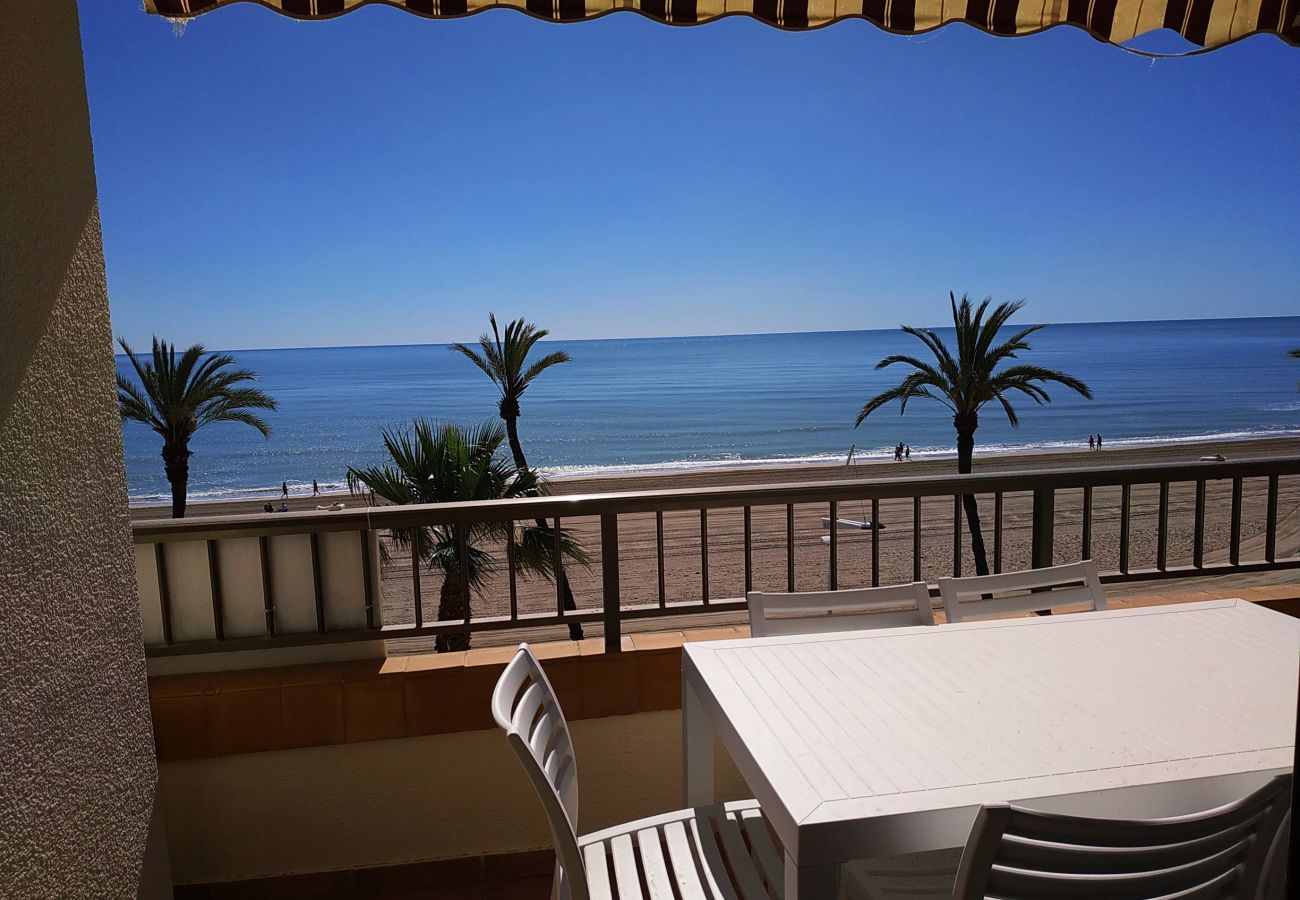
{"type": "Point", "coordinates": [77, 771]}
{"type": "Point", "coordinates": [415, 799]}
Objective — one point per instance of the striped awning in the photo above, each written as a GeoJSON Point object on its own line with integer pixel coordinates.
{"type": "Point", "coordinates": [1207, 23]}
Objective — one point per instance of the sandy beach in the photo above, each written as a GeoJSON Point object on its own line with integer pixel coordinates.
{"type": "Point", "coordinates": [683, 580]}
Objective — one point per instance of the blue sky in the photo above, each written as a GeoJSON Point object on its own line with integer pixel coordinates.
{"type": "Point", "coordinates": [380, 178]}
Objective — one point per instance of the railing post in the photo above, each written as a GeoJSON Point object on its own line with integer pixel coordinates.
{"type": "Point", "coordinates": [1043, 531]}
{"type": "Point", "coordinates": [1043, 528]}
{"type": "Point", "coordinates": [609, 581]}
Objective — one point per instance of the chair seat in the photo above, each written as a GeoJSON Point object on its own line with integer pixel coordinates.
{"type": "Point", "coordinates": [722, 852]}
{"type": "Point", "coordinates": [911, 876]}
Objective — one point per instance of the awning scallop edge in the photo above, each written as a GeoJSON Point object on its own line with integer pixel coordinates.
{"type": "Point", "coordinates": [1206, 23]}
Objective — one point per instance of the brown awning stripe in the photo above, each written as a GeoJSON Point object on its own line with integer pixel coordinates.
{"type": "Point", "coordinates": [1207, 23]}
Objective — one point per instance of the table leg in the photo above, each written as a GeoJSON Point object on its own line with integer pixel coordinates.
{"type": "Point", "coordinates": [697, 749]}
{"type": "Point", "coordinates": [811, 882]}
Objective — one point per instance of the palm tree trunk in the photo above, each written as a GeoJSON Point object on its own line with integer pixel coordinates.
{"type": "Point", "coordinates": [451, 607]}
{"type": "Point", "coordinates": [566, 592]}
{"type": "Point", "coordinates": [965, 452]}
{"type": "Point", "coordinates": [176, 463]}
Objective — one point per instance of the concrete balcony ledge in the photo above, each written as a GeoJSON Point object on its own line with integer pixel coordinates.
{"type": "Point", "coordinates": [255, 710]}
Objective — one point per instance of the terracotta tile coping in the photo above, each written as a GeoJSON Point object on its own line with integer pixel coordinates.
{"type": "Point", "coordinates": [254, 710]}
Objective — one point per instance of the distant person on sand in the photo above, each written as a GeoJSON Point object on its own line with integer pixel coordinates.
{"type": "Point", "coordinates": [284, 489]}
{"type": "Point", "coordinates": [315, 488]}
{"type": "Point", "coordinates": [1090, 443]}
{"type": "Point", "coordinates": [284, 507]}
{"type": "Point", "coordinates": [268, 507]}
{"type": "Point", "coordinates": [907, 452]}
{"type": "Point", "coordinates": [1098, 440]}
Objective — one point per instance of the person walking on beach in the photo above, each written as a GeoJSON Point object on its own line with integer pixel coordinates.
{"type": "Point", "coordinates": [907, 452]}
{"type": "Point", "coordinates": [284, 489]}
{"type": "Point", "coordinates": [315, 488]}
{"type": "Point", "coordinates": [1099, 440]}
{"type": "Point", "coordinates": [1090, 443]}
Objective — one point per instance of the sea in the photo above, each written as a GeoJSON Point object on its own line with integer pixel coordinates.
{"type": "Point", "coordinates": [643, 405]}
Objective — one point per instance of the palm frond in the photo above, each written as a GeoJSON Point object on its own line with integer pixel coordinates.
{"type": "Point", "coordinates": [478, 359]}
{"type": "Point", "coordinates": [970, 378]}
{"type": "Point", "coordinates": [537, 368]}
{"type": "Point", "coordinates": [1025, 374]}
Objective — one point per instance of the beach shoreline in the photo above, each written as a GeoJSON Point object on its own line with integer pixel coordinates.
{"type": "Point", "coordinates": [782, 471]}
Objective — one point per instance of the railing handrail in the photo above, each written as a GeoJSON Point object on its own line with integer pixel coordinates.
{"type": "Point", "coordinates": [666, 500]}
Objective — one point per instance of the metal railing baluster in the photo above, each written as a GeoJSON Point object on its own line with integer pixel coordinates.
{"type": "Point", "coordinates": [214, 581]}
{"type": "Point", "coordinates": [609, 580]}
{"type": "Point", "coordinates": [318, 589]}
{"type": "Point", "coordinates": [415, 576]}
{"type": "Point", "coordinates": [749, 550]}
{"type": "Point", "coordinates": [704, 555]}
{"type": "Point", "coordinates": [462, 556]}
{"type": "Point", "coordinates": [956, 535]}
{"type": "Point", "coordinates": [1234, 537]}
{"type": "Point", "coordinates": [367, 589]}
{"type": "Point", "coordinates": [789, 546]}
{"type": "Point", "coordinates": [833, 576]}
{"type": "Point", "coordinates": [268, 594]}
{"type": "Point", "coordinates": [1198, 532]}
{"type": "Point", "coordinates": [1125, 508]}
{"type": "Point", "coordinates": [1162, 528]}
{"type": "Point", "coordinates": [997, 532]}
{"type": "Point", "coordinates": [558, 563]}
{"type": "Point", "coordinates": [875, 542]}
{"type": "Point", "coordinates": [916, 538]}
{"type": "Point", "coordinates": [1041, 551]}
{"type": "Point", "coordinates": [659, 551]}
{"type": "Point", "coordinates": [164, 591]}
{"type": "Point", "coordinates": [1270, 521]}
{"type": "Point", "coordinates": [1086, 537]}
{"type": "Point", "coordinates": [511, 575]}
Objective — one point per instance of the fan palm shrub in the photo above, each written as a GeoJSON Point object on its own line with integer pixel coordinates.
{"type": "Point", "coordinates": [434, 462]}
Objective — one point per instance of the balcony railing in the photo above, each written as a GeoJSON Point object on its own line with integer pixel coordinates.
{"type": "Point", "coordinates": [291, 579]}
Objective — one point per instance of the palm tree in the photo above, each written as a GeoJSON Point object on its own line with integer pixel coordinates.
{"type": "Point", "coordinates": [503, 361]}
{"type": "Point", "coordinates": [177, 397]}
{"type": "Point", "coordinates": [964, 382]}
{"type": "Point", "coordinates": [446, 463]}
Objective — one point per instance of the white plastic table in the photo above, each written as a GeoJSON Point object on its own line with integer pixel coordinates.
{"type": "Point", "coordinates": [871, 743]}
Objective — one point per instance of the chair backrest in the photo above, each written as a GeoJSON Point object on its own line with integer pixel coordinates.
{"type": "Point", "coordinates": [1017, 854]}
{"type": "Point", "coordinates": [526, 709]}
{"type": "Point", "coordinates": [976, 597]}
{"type": "Point", "coordinates": [819, 611]}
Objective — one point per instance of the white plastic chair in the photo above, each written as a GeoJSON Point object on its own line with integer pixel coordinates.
{"type": "Point", "coordinates": [720, 852]}
{"type": "Point", "coordinates": [1015, 853]}
{"type": "Point", "coordinates": [1021, 854]}
{"type": "Point", "coordinates": [1075, 584]}
{"type": "Point", "coordinates": [814, 612]}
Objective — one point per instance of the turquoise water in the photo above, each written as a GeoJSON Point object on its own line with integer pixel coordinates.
{"type": "Point", "coordinates": [670, 403]}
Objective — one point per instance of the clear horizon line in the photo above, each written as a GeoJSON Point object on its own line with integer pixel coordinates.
{"type": "Point", "coordinates": [661, 337]}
